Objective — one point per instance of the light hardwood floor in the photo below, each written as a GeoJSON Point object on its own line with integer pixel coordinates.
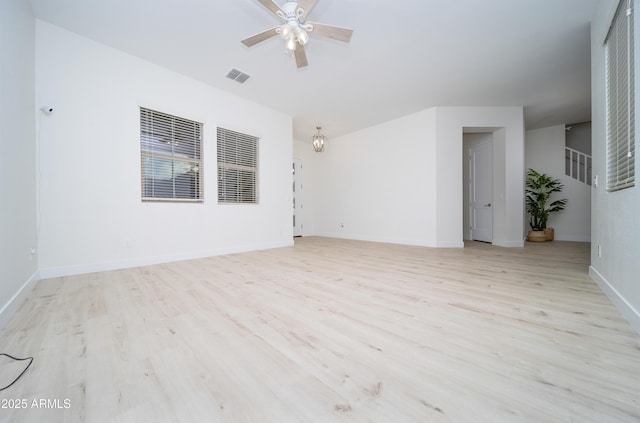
{"type": "Point", "coordinates": [330, 331]}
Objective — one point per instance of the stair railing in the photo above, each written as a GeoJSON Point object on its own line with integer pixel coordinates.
{"type": "Point", "coordinates": [577, 165]}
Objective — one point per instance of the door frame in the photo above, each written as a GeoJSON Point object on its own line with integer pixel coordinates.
{"type": "Point", "coordinates": [470, 136]}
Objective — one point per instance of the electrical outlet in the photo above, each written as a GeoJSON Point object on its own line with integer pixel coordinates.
{"type": "Point", "coordinates": [599, 251]}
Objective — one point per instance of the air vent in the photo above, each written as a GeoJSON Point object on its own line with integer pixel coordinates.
{"type": "Point", "coordinates": [237, 76]}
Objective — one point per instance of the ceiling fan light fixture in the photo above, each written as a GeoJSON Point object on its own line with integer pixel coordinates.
{"type": "Point", "coordinates": [293, 28]}
{"type": "Point", "coordinates": [285, 31]}
{"type": "Point", "coordinates": [302, 36]}
{"type": "Point", "coordinates": [291, 43]}
{"type": "Point", "coordinates": [318, 141]}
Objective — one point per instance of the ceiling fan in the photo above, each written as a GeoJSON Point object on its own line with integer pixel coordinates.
{"type": "Point", "coordinates": [295, 29]}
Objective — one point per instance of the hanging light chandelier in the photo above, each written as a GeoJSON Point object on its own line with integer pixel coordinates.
{"type": "Point", "coordinates": [318, 141]}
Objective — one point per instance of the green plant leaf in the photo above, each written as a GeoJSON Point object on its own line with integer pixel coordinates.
{"type": "Point", "coordinates": [538, 190]}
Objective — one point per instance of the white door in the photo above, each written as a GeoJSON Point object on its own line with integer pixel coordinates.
{"type": "Point", "coordinates": [481, 192]}
{"type": "Point", "coordinates": [297, 197]}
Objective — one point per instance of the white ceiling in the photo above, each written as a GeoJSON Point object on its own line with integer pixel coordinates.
{"type": "Point", "coordinates": [405, 55]}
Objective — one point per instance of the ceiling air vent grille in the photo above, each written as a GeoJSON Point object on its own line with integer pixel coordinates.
{"type": "Point", "coordinates": [237, 76]}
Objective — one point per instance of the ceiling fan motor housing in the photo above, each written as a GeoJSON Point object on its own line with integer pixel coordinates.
{"type": "Point", "coordinates": [291, 11]}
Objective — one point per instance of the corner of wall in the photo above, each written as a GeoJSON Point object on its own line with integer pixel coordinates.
{"type": "Point", "coordinates": [17, 120]}
{"type": "Point", "coordinates": [17, 299]}
{"type": "Point", "coordinates": [628, 311]}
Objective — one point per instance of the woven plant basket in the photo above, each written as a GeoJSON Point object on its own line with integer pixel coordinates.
{"type": "Point", "coordinates": [549, 233]}
{"type": "Point", "coordinates": [536, 236]}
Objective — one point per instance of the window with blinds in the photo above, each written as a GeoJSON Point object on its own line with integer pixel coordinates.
{"type": "Point", "coordinates": [237, 167]}
{"type": "Point", "coordinates": [171, 155]}
{"type": "Point", "coordinates": [620, 100]}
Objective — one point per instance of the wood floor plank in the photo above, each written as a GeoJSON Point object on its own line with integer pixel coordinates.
{"type": "Point", "coordinates": [330, 331]}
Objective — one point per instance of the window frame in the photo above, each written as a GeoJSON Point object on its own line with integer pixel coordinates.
{"type": "Point", "coordinates": [181, 147]}
{"type": "Point", "coordinates": [238, 158]}
{"type": "Point", "coordinates": [620, 99]}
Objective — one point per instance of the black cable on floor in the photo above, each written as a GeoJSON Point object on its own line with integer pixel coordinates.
{"type": "Point", "coordinates": [20, 375]}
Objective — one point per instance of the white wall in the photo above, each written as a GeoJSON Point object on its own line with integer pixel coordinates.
{"type": "Point", "coordinates": [615, 215]}
{"type": "Point", "coordinates": [508, 156]}
{"type": "Point", "coordinates": [18, 230]}
{"type": "Point", "coordinates": [378, 184]}
{"type": "Point", "coordinates": [92, 217]}
{"type": "Point", "coordinates": [545, 153]}
{"type": "Point", "coordinates": [578, 137]}
{"type": "Point", "coordinates": [401, 181]}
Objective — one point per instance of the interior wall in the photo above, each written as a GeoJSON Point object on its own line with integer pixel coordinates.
{"type": "Point", "coordinates": [545, 153]}
{"type": "Point", "coordinates": [378, 184]}
{"type": "Point", "coordinates": [18, 192]}
{"type": "Point", "coordinates": [508, 144]}
{"type": "Point", "coordinates": [92, 216]}
{"type": "Point", "coordinates": [401, 181]}
{"type": "Point", "coordinates": [578, 137]}
{"type": "Point", "coordinates": [614, 230]}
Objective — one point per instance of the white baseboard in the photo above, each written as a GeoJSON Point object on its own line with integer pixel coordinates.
{"type": "Point", "coordinates": [383, 240]}
{"type": "Point", "coordinates": [573, 238]}
{"type": "Point", "coordinates": [509, 244]}
{"type": "Point", "coordinates": [18, 298]}
{"type": "Point", "coordinates": [449, 244]}
{"type": "Point", "coordinates": [628, 311]}
{"type": "Point", "coordinates": [56, 272]}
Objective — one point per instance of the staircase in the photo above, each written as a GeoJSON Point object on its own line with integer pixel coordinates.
{"type": "Point", "coordinates": [577, 165]}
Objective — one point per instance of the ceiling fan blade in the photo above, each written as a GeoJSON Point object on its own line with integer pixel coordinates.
{"type": "Point", "coordinates": [330, 31]}
{"type": "Point", "coordinates": [306, 6]}
{"type": "Point", "coordinates": [255, 39]}
{"type": "Point", "coordinates": [301, 56]}
{"type": "Point", "coordinates": [269, 4]}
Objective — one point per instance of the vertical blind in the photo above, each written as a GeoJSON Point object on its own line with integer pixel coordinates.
{"type": "Point", "coordinates": [171, 154]}
{"type": "Point", "coordinates": [620, 100]}
{"type": "Point", "coordinates": [237, 167]}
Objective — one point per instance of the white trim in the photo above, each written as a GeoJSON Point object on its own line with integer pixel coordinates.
{"type": "Point", "coordinates": [610, 17]}
{"type": "Point", "coordinates": [55, 272]}
{"type": "Point", "coordinates": [18, 299]}
{"type": "Point", "coordinates": [390, 240]}
{"type": "Point", "coordinates": [572, 238]}
{"type": "Point", "coordinates": [383, 240]}
{"type": "Point", "coordinates": [627, 310]}
{"type": "Point", "coordinates": [509, 244]}
{"type": "Point", "coordinates": [450, 244]}
{"type": "Point", "coordinates": [430, 244]}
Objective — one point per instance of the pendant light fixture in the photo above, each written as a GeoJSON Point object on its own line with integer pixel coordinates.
{"type": "Point", "coordinates": [318, 141]}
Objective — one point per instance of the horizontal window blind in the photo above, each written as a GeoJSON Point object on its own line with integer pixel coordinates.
{"type": "Point", "coordinates": [237, 167]}
{"type": "Point", "coordinates": [171, 153]}
{"type": "Point", "coordinates": [619, 75]}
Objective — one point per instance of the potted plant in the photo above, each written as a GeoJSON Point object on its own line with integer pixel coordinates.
{"type": "Point", "coordinates": [539, 188]}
